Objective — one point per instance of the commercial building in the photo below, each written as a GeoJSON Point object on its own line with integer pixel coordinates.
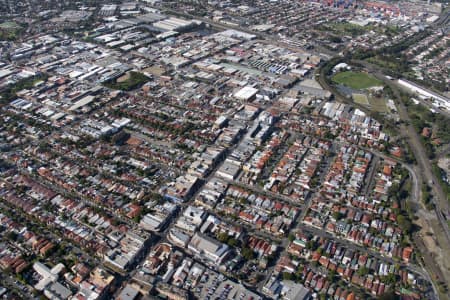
{"type": "Point", "coordinates": [208, 248]}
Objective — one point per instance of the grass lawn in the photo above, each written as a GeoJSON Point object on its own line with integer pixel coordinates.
{"type": "Point", "coordinates": [356, 80]}
{"type": "Point", "coordinates": [360, 99]}
{"type": "Point", "coordinates": [9, 31]}
{"type": "Point", "coordinates": [378, 104]}
{"type": "Point", "coordinates": [9, 25]}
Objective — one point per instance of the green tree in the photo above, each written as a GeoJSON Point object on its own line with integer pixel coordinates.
{"type": "Point", "coordinates": [223, 237]}
{"type": "Point", "coordinates": [337, 215]}
{"type": "Point", "coordinates": [331, 276]}
{"type": "Point", "coordinates": [291, 237]}
{"type": "Point", "coordinates": [404, 223]}
{"type": "Point", "coordinates": [389, 279]}
{"type": "Point", "coordinates": [312, 245]}
{"type": "Point", "coordinates": [248, 253]}
{"type": "Point", "coordinates": [388, 296]}
{"type": "Point", "coordinates": [12, 236]}
{"type": "Point", "coordinates": [288, 276]}
{"type": "Point", "coordinates": [233, 242]}
{"type": "Point", "coordinates": [120, 138]}
{"type": "Point", "coordinates": [363, 271]}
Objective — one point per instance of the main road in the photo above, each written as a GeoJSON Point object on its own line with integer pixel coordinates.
{"type": "Point", "coordinates": [414, 141]}
{"type": "Point", "coordinates": [423, 174]}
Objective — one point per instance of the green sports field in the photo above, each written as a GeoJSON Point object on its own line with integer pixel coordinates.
{"type": "Point", "coordinates": [356, 80]}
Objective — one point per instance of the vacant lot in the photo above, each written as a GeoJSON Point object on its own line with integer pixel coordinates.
{"type": "Point", "coordinates": [356, 80]}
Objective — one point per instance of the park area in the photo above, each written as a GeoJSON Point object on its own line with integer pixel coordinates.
{"type": "Point", "coordinates": [9, 31]}
{"type": "Point", "coordinates": [356, 80]}
{"type": "Point", "coordinates": [127, 82]}
{"type": "Point", "coordinates": [344, 28]}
